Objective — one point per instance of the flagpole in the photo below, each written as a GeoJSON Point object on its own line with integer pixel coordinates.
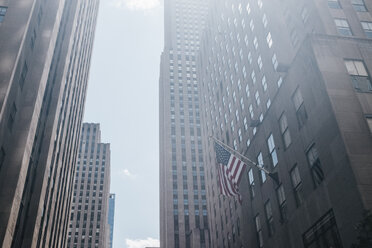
{"type": "Point", "coordinates": [241, 155]}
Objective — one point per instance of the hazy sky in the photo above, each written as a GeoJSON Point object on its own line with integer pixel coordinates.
{"type": "Point", "coordinates": [123, 98]}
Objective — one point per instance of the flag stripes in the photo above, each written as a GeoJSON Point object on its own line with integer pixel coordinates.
{"type": "Point", "coordinates": [230, 170]}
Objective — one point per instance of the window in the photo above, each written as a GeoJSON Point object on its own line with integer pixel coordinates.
{"type": "Point", "coordinates": [251, 182]}
{"type": "Point", "coordinates": [259, 62]}
{"type": "Point", "coordinates": [259, 3]}
{"type": "Point", "coordinates": [294, 37]}
{"type": "Point", "coordinates": [269, 218]}
{"type": "Point", "coordinates": [264, 83]}
{"type": "Point", "coordinates": [282, 202]}
{"type": "Point", "coordinates": [259, 230]}
{"type": "Point", "coordinates": [2, 13]}
{"type": "Point", "coordinates": [264, 20]}
{"type": "Point", "coordinates": [298, 102]}
{"type": "Point", "coordinates": [369, 122]}
{"type": "Point", "coordinates": [260, 163]}
{"type": "Point", "coordinates": [255, 43]}
{"type": "Point", "coordinates": [269, 40]}
{"type": "Point", "coordinates": [315, 166]}
{"type": "Point", "coordinates": [324, 232]}
{"type": "Point", "coordinates": [359, 75]}
{"type": "Point", "coordinates": [272, 151]}
{"type": "Point", "coordinates": [274, 61]}
{"type": "Point", "coordinates": [22, 78]}
{"type": "Point", "coordinates": [257, 97]}
{"type": "Point", "coordinates": [343, 27]}
{"type": "Point", "coordinates": [334, 4]}
{"type": "Point", "coordinates": [283, 123]}
{"type": "Point", "coordinates": [304, 14]}
{"type": "Point", "coordinates": [2, 157]}
{"type": "Point", "coordinates": [367, 27]}
{"type": "Point", "coordinates": [297, 185]}
{"type": "Point", "coordinates": [359, 5]}
{"type": "Point", "coordinates": [11, 119]}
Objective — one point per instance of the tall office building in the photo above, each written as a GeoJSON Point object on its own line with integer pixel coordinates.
{"type": "Point", "coordinates": [88, 225]}
{"type": "Point", "coordinates": [287, 84]}
{"type": "Point", "coordinates": [111, 217]}
{"type": "Point", "coordinates": [183, 210]}
{"type": "Point", "coordinates": [45, 50]}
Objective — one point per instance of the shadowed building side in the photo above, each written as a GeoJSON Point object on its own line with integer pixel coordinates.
{"type": "Point", "coordinates": [44, 65]}
{"type": "Point", "coordinates": [288, 84]}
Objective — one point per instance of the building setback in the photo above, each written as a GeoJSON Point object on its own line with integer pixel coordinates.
{"type": "Point", "coordinates": [45, 56]}
{"type": "Point", "coordinates": [287, 83]}
{"type": "Point", "coordinates": [183, 207]}
{"type": "Point", "coordinates": [88, 225]}
{"type": "Point", "coordinates": [111, 218]}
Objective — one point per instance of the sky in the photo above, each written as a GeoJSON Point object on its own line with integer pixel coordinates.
{"type": "Point", "coordinates": [123, 97]}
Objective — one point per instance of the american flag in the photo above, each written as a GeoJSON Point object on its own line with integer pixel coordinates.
{"type": "Point", "coordinates": [230, 170]}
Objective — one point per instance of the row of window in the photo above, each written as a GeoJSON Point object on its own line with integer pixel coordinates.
{"type": "Point", "coordinates": [344, 29]}
{"type": "Point", "coordinates": [358, 5]}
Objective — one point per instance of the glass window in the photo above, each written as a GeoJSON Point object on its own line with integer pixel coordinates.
{"type": "Point", "coordinates": [264, 20]}
{"type": "Point", "coordinates": [257, 97]}
{"type": "Point", "coordinates": [334, 4]}
{"type": "Point", "coordinates": [315, 166]}
{"type": "Point", "coordinates": [260, 163]}
{"type": "Point", "coordinates": [304, 14]}
{"type": "Point", "coordinates": [359, 5]}
{"type": "Point", "coordinates": [324, 232]}
{"type": "Point", "coordinates": [269, 217]}
{"type": "Point", "coordinates": [297, 185]}
{"type": "Point", "coordinates": [2, 157]}
{"type": "Point", "coordinates": [359, 75]}
{"type": "Point", "coordinates": [259, 62]}
{"type": "Point", "coordinates": [343, 27]}
{"type": "Point", "coordinates": [298, 102]}
{"type": "Point", "coordinates": [274, 61]}
{"type": "Point", "coordinates": [259, 230]}
{"type": "Point", "coordinates": [283, 123]}
{"type": "Point", "coordinates": [367, 27]}
{"type": "Point", "coordinates": [269, 40]}
{"type": "Point", "coordinates": [255, 43]}
{"type": "Point", "coordinates": [251, 182]}
{"type": "Point", "coordinates": [369, 122]}
{"type": "Point", "coordinates": [2, 13]}
{"type": "Point", "coordinates": [264, 83]}
{"type": "Point", "coordinates": [272, 150]}
{"type": "Point", "coordinates": [282, 202]}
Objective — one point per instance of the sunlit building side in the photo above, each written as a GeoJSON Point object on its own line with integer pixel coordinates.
{"type": "Point", "coordinates": [183, 206]}
{"type": "Point", "coordinates": [89, 226]}
{"type": "Point", "coordinates": [45, 52]}
{"type": "Point", "coordinates": [111, 218]}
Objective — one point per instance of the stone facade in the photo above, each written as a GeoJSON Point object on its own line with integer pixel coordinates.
{"type": "Point", "coordinates": [44, 64]}
{"type": "Point", "coordinates": [89, 225]}
{"type": "Point", "coordinates": [300, 68]}
{"type": "Point", "coordinates": [183, 206]}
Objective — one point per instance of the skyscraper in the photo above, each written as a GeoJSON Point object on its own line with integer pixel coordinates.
{"type": "Point", "coordinates": [111, 215]}
{"type": "Point", "coordinates": [88, 225]}
{"type": "Point", "coordinates": [44, 64]}
{"type": "Point", "coordinates": [183, 209]}
{"type": "Point", "coordinates": [287, 84]}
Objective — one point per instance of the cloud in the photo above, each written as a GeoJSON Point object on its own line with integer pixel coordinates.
{"type": "Point", "coordinates": [127, 173]}
{"type": "Point", "coordinates": [142, 243]}
{"type": "Point", "coordinates": [136, 4]}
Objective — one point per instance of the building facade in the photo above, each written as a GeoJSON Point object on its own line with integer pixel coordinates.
{"type": "Point", "coordinates": [44, 64]}
{"type": "Point", "coordinates": [287, 83]}
{"type": "Point", "coordinates": [183, 209]}
{"type": "Point", "coordinates": [88, 225]}
{"type": "Point", "coordinates": [111, 218]}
